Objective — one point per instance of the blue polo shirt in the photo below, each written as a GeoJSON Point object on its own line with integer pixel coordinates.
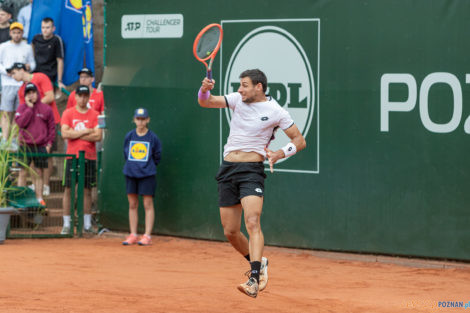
{"type": "Point", "coordinates": [142, 154]}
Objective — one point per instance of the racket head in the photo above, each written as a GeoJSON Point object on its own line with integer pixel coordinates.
{"type": "Point", "coordinates": [207, 42]}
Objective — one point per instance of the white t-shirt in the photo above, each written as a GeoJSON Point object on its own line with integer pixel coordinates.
{"type": "Point", "coordinates": [252, 124]}
{"type": "Point", "coordinates": [10, 53]}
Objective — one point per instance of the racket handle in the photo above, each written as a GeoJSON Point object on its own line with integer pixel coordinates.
{"type": "Point", "coordinates": [209, 74]}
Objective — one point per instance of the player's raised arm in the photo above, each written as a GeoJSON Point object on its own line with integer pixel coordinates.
{"type": "Point", "coordinates": [205, 98]}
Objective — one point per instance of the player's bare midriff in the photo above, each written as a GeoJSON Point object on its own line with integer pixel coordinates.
{"type": "Point", "coordinates": [241, 156]}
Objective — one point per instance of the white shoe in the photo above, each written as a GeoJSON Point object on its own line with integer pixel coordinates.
{"type": "Point", "coordinates": [263, 274]}
{"type": "Point", "coordinates": [65, 231]}
{"type": "Point", "coordinates": [46, 191]}
{"type": "Point", "coordinates": [250, 288]}
{"type": "Point", "coordinates": [31, 187]}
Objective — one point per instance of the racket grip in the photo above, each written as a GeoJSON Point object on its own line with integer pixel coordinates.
{"type": "Point", "coordinates": [209, 74]}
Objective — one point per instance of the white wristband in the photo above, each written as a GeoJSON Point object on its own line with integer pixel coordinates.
{"type": "Point", "coordinates": [289, 149]}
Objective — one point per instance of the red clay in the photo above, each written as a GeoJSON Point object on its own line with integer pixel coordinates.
{"type": "Point", "coordinates": [180, 275]}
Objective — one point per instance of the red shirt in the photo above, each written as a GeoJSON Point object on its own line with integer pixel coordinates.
{"type": "Point", "coordinates": [96, 101]}
{"type": "Point", "coordinates": [44, 85]}
{"type": "Point", "coordinates": [79, 121]}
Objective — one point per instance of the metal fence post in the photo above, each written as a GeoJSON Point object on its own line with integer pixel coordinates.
{"type": "Point", "coordinates": [73, 178]}
{"type": "Point", "coordinates": [80, 194]}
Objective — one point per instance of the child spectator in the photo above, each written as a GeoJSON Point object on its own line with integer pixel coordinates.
{"type": "Point", "coordinates": [46, 92]}
{"type": "Point", "coordinates": [37, 131]}
{"type": "Point", "coordinates": [142, 150]}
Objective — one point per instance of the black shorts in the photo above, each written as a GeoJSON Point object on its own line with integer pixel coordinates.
{"type": "Point", "coordinates": [90, 173]}
{"type": "Point", "coordinates": [144, 186]}
{"type": "Point", "coordinates": [237, 180]}
{"type": "Point", "coordinates": [39, 162]}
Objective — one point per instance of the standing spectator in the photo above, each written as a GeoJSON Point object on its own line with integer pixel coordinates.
{"type": "Point", "coordinates": [24, 17]}
{"type": "Point", "coordinates": [15, 50]}
{"type": "Point", "coordinates": [49, 52]}
{"type": "Point", "coordinates": [46, 92]}
{"type": "Point", "coordinates": [37, 131]}
{"type": "Point", "coordinates": [96, 101]}
{"type": "Point", "coordinates": [5, 17]}
{"type": "Point", "coordinates": [80, 128]}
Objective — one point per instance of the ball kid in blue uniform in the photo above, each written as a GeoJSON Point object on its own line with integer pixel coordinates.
{"type": "Point", "coordinates": [142, 151]}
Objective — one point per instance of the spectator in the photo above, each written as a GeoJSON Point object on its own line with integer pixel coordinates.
{"type": "Point", "coordinates": [96, 101]}
{"type": "Point", "coordinates": [46, 92]}
{"type": "Point", "coordinates": [24, 17]}
{"type": "Point", "coordinates": [5, 17]}
{"type": "Point", "coordinates": [80, 128]}
{"type": "Point", "coordinates": [15, 50]}
{"type": "Point", "coordinates": [37, 131]}
{"type": "Point", "coordinates": [48, 51]}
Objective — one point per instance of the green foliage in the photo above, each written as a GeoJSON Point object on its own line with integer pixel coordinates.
{"type": "Point", "coordinates": [7, 159]}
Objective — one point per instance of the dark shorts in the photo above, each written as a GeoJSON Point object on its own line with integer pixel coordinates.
{"type": "Point", "coordinates": [238, 180]}
{"type": "Point", "coordinates": [144, 186]}
{"type": "Point", "coordinates": [39, 162]}
{"type": "Point", "coordinates": [90, 173]}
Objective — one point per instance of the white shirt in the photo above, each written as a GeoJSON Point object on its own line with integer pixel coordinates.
{"type": "Point", "coordinates": [24, 17]}
{"type": "Point", "coordinates": [14, 52]}
{"type": "Point", "coordinates": [252, 124]}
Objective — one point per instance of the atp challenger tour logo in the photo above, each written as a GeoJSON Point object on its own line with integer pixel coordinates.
{"type": "Point", "coordinates": [287, 51]}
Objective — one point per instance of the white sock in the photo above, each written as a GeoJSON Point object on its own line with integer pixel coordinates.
{"type": "Point", "coordinates": [87, 220]}
{"type": "Point", "coordinates": [67, 219]}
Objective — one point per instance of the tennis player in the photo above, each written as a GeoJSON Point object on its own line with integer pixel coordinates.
{"type": "Point", "coordinates": [256, 116]}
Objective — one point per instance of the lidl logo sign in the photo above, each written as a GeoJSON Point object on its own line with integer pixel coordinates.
{"type": "Point", "coordinates": [288, 52]}
{"type": "Point", "coordinates": [138, 151]}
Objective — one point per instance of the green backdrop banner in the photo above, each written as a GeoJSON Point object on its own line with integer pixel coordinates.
{"type": "Point", "coordinates": [379, 89]}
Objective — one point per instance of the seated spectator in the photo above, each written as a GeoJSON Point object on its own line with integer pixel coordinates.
{"type": "Point", "coordinates": [49, 52]}
{"type": "Point", "coordinates": [96, 101]}
{"type": "Point", "coordinates": [5, 17]}
{"type": "Point", "coordinates": [15, 50]}
{"type": "Point", "coordinates": [37, 131]}
{"type": "Point", "coordinates": [24, 17]}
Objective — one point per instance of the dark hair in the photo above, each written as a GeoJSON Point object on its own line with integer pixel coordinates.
{"type": "Point", "coordinates": [256, 77]}
{"type": "Point", "coordinates": [6, 8]}
{"type": "Point", "coordinates": [48, 20]}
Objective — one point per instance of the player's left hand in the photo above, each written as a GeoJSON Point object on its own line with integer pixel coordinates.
{"type": "Point", "coordinates": [273, 156]}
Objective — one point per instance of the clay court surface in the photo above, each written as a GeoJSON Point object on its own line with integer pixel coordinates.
{"type": "Point", "coordinates": [182, 275]}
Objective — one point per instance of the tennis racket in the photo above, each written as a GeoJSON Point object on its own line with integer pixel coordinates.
{"type": "Point", "coordinates": [207, 44]}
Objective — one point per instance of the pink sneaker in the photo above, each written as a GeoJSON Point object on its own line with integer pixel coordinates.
{"type": "Point", "coordinates": [145, 240]}
{"type": "Point", "coordinates": [130, 240]}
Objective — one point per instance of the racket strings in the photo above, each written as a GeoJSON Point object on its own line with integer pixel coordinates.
{"type": "Point", "coordinates": [208, 42]}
